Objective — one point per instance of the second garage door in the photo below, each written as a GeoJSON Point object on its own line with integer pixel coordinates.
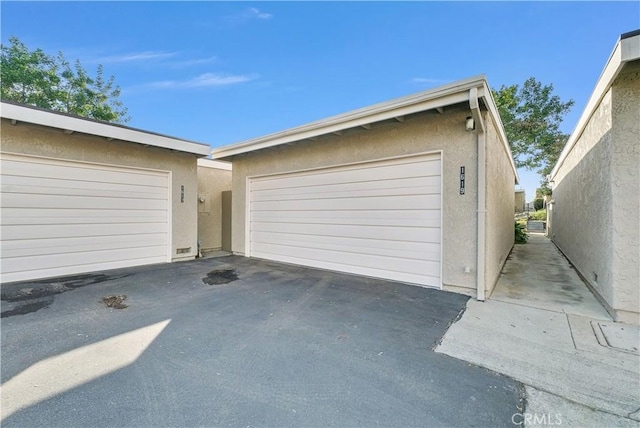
{"type": "Point", "coordinates": [61, 217]}
{"type": "Point", "coordinates": [380, 219]}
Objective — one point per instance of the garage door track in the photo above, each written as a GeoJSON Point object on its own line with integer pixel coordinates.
{"type": "Point", "coordinates": [278, 346]}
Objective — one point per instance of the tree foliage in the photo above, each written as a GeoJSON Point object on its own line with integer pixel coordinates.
{"type": "Point", "coordinates": [532, 115]}
{"type": "Point", "coordinates": [51, 82]}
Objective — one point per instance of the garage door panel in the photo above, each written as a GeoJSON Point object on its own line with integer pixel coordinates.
{"type": "Point", "coordinates": [379, 214]}
{"type": "Point", "coordinates": [53, 201]}
{"type": "Point", "coordinates": [76, 230]}
{"type": "Point", "coordinates": [27, 247]}
{"type": "Point", "coordinates": [35, 272]}
{"type": "Point", "coordinates": [63, 217]}
{"type": "Point", "coordinates": [379, 219]}
{"type": "Point", "coordinates": [61, 182]}
{"type": "Point", "coordinates": [400, 183]}
{"type": "Point", "coordinates": [362, 173]}
{"type": "Point", "coordinates": [11, 217]}
{"type": "Point", "coordinates": [361, 193]}
{"type": "Point", "coordinates": [91, 193]}
{"type": "Point", "coordinates": [17, 264]}
{"type": "Point", "coordinates": [418, 249]}
{"type": "Point", "coordinates": [413, 202]}
{"type": "Point", "coordinates": [427, 280]}
{"type": "Point", "coordinates": [409, 234]}
{"type": "Point", "coordinates": [351, 258]}
{"type": "Point", "coordinates": [263, 247]}
{"type": "Point", "coordinates": [355, 220]}
{"type": "Point", "coordinates": [86, 172]}
{"type": "Point", "coordinates": [88, 215]}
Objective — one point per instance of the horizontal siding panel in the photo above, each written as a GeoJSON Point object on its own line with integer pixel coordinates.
{"type": "Point", "coordinates": [362, 193]}
{"type": "Point", "coordinates": [418, 202]}
{"type": "Point", "coordinates": [153, 217]}
{"type": "Point", "coordinates": [16, 264]}
{"type": "Point", "coordinates": [353, 221]}
{"type": "Point", "coordinates": [34, 247]}
{"type": "Point", "coordinates": [61, 182]}
{"type": "Point", "coordinates": [418, 267]}
{"type": "Point", "coordinates": [416, 182]}
{"type": "Point", "coordinates": [95, 192]}
{"type": "Point", "coordinates": [88, 214]}
{"type": "Point", "coordinates": [362, 174]}
{"type": "Point", "coordinates": [77, 230]}
{"type": "Point", "coordinates": [417, 248]}
{"type": "Point", "coordinates": [81, 172]}
{"type": "Point", "coordinates": [426, 280]}
{"type": "Point", "coordinates": [266, 246]}
{"type": "Point", "coordinates": [80, 202]}
{"type": "Point", "coordinates": [410, 234]}
{"type": "Point", "coordinates": [381, 214]}
{"type": "Point", "coordinates": [34, 272]}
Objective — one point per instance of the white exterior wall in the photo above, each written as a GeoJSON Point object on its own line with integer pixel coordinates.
{"type": "Point", "coordinates": [418, 134]}
{"type": "Point", "coordinates": [500, 201]}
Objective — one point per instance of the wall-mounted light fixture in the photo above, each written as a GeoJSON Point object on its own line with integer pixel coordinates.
{"type": "Point", "coordinates": [470, 124]}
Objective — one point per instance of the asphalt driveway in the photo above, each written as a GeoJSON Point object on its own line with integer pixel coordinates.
{"type": "Point", "coordinates": [279, 346]}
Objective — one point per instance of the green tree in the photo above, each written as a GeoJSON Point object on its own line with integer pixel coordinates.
{"type": "Point", "coordinates": [532, 115]}
{"type": "Point", "coordinates": [35, 78]}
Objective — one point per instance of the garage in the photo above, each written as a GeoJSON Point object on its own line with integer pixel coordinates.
{"type": "Point", "coordinates": [79, 195]}
{"type": "Point", "coordinates": [69, 217]}
{"type": "Point", "coordinates": [380, 219]}
{"type": "Point", "coordinates": [417, 189]}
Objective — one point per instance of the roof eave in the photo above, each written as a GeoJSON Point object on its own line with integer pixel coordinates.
{"type": "Point", "coordinates": [442, 96]}
{"type": "Point", "coordinates": [70, 124]}
{"type": "Point", "coordinates": [626, 49]}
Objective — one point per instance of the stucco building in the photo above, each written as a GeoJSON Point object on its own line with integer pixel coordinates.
{"type": "Point", "coordinates": [80, 195]}
{"type": "Point", "coordinates": [417, 189]}
{"type": "Point", "coordinates": [595, 211]}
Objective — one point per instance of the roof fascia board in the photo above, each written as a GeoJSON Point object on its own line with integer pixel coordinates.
{"type": "Point", "coordinates": [327, 127]}
{"type": "Point", "coordinates": [364, 116]}
{"type": "Point", "coordinates": [624, 51]}
{"type": "Point", "coordinates": [216, 164]}
{"type": "Point", "coordinates": [53, 120]}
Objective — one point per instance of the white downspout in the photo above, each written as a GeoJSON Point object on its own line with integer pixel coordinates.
{"type": "Point", "coordinates": [482, 209]}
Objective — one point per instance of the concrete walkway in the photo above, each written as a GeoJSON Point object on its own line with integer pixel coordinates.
{"type": "Point", "coordinates": [543, 327]}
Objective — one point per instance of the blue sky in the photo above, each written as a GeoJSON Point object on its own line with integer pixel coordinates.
{"type": "Point", "coordinates": [222, 72]}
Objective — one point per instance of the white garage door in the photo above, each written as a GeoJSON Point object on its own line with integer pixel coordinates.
{"type": "Point", "coordinates": [61, 217]}
{"type": "Point", "coordinates": [381, 219]}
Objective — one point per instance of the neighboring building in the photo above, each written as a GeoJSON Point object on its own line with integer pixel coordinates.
{"type": "Point", "coordinates": [214, 228]}
{"type": "Point", "coordinates": [520, 204]}
{"type": "Point", "coordinates": [417, 189]}
{"type": "Point", "coordinates": [80, 195]}
{"type": "Point", "coordinates": [595, 211]}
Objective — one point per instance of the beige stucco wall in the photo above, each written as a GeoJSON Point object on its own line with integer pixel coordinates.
{"type": "Point", "coordinates": [500, 180]}
{"type": "Point", "coordinates": [53, 143]}
{"type": "Point", "coordinates": [519, 201]}
{"type": "Point", "coordinates": [418, 134]}
{"type": "Point", "coordinates": [625, 189]}
{"type": "Point", "coordinates": [596, 193]}
{"type": "Point", "coordinates": [211, 183]}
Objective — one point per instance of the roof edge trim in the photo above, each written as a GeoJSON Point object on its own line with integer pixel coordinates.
{"type": "Point", "coordinates": [53, 119]}
{"type": "Point", "coordinates": [626, 49]}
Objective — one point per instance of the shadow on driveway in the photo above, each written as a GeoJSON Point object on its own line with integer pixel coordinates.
{"type": "Point", "coordinates": [280, 345]}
